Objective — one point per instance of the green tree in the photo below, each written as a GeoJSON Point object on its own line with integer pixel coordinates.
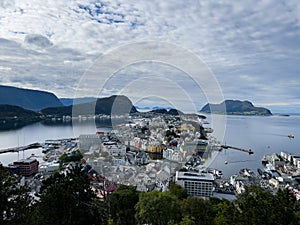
{"type": "Point", "coordinates": [188, 221]}
{"type": "Point", "coordinates": [73, 157]}
{"type": "Point", "coordinates": [255, 206]}
{"type": "Point", "coordinates": [67, 198]}
{"type": "Point", "coordinates": [15, 202]}
{"type": "Point", "coordinates": [157, 208]}
{"type": "Point", "coordinates": [226, 213]}
{"type": "Point", "coordinates": [284, 206]}
{"type": "Point", "coordinates": [122, 203]}
{"type": "Point", "coordinates": [178, 191]}
{"type": "Point", "coordinates": [199, 209]}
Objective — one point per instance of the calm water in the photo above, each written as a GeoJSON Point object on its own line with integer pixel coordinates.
{"type": "Point", "coordinates": [264, 135]}
{"type": "Point", "coordinates": [39, 133]}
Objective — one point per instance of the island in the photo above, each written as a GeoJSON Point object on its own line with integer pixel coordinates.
{"type": "Point", "coordinates": [236, 107]}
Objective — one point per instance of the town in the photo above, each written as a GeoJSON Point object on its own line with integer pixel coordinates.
{"type": "Point", "coordinates": [151, 150]}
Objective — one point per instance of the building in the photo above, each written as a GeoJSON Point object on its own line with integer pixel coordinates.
{"type": "Point", "coordinates": [28, 167]}
{"type": "Point", "coordinates": [196, 184]}
{"type": "Point", "coordinates": [49, 167]}
{"type": "Point", "coordinates": [87, 141]}
{"type": "Point", "coordinates": [197, 146]}
{"type": "Point", "coordinates": [156, 151]}
{"type": "Point", "coordinates": [141, 158]}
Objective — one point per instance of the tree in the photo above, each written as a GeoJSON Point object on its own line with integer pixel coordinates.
{"type": "Point", "coordinates": [188, 221]}
{"type": "Point", "coordinates": [67, 198]}
{"type": "Point", "coordinates": [73, 157]}
{"type": "Point", "coordinates": [178, 191]}
{"type": "Point", "coordinates": [122, 203]}
{"type": "Point", "coordinates": [255, 206]}
{"type": "Point", "coordinates": [15, 202]}
{"type": "Point", "coordinates": [157, 208]}
{"type": "Point", "coordinates": [284, 206]}
{"type": "Point", "coordinates": [226, 213]}
{"type": "Point", "coordinates": [199, 209]}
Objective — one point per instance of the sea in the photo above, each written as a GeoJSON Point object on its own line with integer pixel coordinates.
{"type": "Point", "coordinates": [262, 134]}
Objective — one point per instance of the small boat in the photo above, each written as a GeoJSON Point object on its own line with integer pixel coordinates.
{"type": "Point", "coordinates": [264, 160]}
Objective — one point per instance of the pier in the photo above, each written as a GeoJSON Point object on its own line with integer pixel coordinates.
{"type": "Point", "coordinates": [21, 148]}
{"type": "Point", "coordinates": [249, 151]}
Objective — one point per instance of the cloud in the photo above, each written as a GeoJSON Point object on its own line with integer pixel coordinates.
{"type": "Point", "coordinates": [251, 47]}
{"type": "Point", "coordinates": [38, 40]}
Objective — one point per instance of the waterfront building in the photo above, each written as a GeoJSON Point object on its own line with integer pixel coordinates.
{"type": "Point", "coordinates": [196, 184]}
{"type": "Point", "coordinates": [28, 167]}
{"type": "Point", "coordinates": [296, 159]}
{"type": "Point", "coordinates": [197, 146]}
{"type": "Point", "coordinates": [284, 155]}
{"type": "Point", "coordinates": [49, 167]}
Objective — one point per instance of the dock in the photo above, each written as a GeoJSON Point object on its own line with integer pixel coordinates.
{"type": "Point", "coordinates": [249, 151]}
{"type": "Point", "coordinates": [21, 148]}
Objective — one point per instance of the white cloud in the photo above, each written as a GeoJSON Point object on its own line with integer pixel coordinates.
{"type": "Point", "coordinates": [48, 44]}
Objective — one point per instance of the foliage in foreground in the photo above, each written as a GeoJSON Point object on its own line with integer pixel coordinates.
{"type": "Point", "coordinates": [67, 198]}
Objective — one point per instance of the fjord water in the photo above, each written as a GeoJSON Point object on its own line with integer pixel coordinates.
{"type": "Point", "coordinates": [264, 135]}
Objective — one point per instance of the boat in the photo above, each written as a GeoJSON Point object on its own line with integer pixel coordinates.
{"type": "Point", "coordinates": [217, 173]}
{"type": "Point", "coordinates": [264, 160]}
{"type": "Point", "coordinates": [247, 172]}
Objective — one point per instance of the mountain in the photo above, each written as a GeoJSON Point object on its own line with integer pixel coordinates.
{"type": "Point", "coordinates": [69, 101]}
{"type": "Point", "coordinates": [116, 105]}
{"type": "Point", "coordinates": [173, 112]}
{"type": "Point", "coordinates": [12, 111]}
{"type": "Point", "coordinates": [27, 98]}
{"type": "Point", "coordinates": [12, 117]}
{"type": "Point", "coordinates": [236, 107]}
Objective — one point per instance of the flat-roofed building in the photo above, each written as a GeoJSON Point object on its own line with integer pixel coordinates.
{"type": "Point", "coordinates": [28, 167]}
{"type": "Point", "coordinates": [86, 141]}
{"type": "Point", "coordinates": [196, 184]}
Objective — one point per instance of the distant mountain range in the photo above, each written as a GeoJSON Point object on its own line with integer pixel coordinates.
{"type": "Point", "coordinates": [28, 99]}
{"type": "Point", "coordinates": [70, 101]}
{"type": "Point", "coordinates": [148, 108]}
{"type": "Point", "coordinates": [236, 107]}
{"type": "Point", "coordinates": [12, 117]}
{"type": "Point", "coordinates": [171, 111]}
{"type": "Point", "coordinates": [19, 107]}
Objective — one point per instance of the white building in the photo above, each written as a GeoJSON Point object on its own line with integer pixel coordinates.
{"type": "Point", "coordinates": [196, 184]}
{"type": "Point", "coordinates": [113, 149]}
{"type": "Point", "coordinates": [284, 155]}
{"type": "Point", "coordinates": [296, 159]}
{"type": "Point", "coordinates": [48, 167]}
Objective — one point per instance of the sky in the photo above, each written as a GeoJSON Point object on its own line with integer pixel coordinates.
{"type": "Point", "coordinates": [178, 53]}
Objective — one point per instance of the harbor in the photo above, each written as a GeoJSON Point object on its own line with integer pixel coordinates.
{"type": "Point", "coordinates": [136, 154]}
{"type": "Point", "coordinates": [21, 148]}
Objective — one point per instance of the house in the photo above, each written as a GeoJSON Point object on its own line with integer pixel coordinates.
{"type": "Point", "coordinates": [141, 158]}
